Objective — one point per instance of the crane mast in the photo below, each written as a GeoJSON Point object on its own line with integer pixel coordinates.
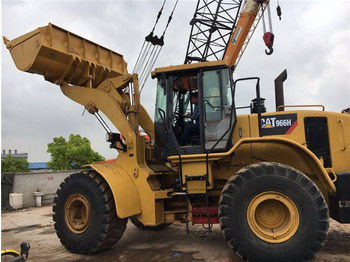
{"type": "Point", "coordinates": [221, 30]}
{"type": "Point", "coordinates": [212, 25]}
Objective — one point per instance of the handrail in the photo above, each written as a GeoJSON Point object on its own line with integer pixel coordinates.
{"type": "Point", "coordinates": [284, 106]}
{"type": "Point", "coordinates": [342, 129]}
{"type": "Point", "coordinates": [230, 127]}
{"type": "Point", "coordinates": [172, 140]}
{"type": "Point", "coordinates": [257, 91]}
{"type": "Point", "coordinates": [330, 170]}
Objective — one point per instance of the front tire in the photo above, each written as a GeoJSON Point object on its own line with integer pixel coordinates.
{"type": "Point", "coordinates": [273, 212]}
{"type": "Point", "coordinates": [85, 216]}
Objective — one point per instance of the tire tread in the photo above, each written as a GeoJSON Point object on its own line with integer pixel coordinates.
{"type": "Point", "coordinates": [253, 171]}
{"type": "Point", "coordinates": [112, 227]}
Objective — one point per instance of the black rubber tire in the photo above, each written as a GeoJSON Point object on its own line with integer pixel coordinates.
{"type": "Point", "coordinates": [137, 223]}
{"type": "Point", "coordinates": [105, 228]}
{"type": "Point", "coordinates": [255, 179]}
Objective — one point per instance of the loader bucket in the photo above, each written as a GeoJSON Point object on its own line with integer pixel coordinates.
{"type": "Point", "coordinates": [61, 56]}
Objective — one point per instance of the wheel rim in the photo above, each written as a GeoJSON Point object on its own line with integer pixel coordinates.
{"type": "Point", "coordinates": [77, 213]}
{"type": "Point", "coordinates": [273, 217]}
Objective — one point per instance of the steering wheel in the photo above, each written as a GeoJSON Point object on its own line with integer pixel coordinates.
{"type": "Point", "coordinates": [176, 118]}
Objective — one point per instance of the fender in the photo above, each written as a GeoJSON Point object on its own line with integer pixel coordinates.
{"type": "Point", "coordinates": [293, 154]}
{"type": "Point", "coordinates": [124, 191]}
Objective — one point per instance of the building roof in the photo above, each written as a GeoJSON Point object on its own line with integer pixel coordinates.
{"type": "Point", "coordinates": [14, 154]}
{"type": "Point", "coordinates": [38, 165]}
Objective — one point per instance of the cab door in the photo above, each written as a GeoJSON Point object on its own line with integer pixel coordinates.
{"type": "Point", "coordinates": [217, 105]}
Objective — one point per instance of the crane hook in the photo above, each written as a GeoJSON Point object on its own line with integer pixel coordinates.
{"type": "Point", "coordinates": [268, 39]}
{"type": "Point", "coordinates": [270, 50]}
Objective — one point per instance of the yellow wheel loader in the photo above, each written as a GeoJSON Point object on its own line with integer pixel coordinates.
{"type": "Point", "coordinates": [270, 179]}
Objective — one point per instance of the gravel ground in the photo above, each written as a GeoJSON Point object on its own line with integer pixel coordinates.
{"type": "Point", "coordinates": [34, 225]}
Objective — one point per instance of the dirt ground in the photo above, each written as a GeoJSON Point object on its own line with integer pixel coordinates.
{"type": "Point", "coordinates": [172, 244]}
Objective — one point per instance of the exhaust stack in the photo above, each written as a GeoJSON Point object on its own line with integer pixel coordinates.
{"type": "Point", "coordinates": [279, 96]}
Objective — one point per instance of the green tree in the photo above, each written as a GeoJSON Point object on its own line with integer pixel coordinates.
{"type": "Point", "coordinates": [71, 154]}
{"type": "Point", "coordinates": [14, 165]}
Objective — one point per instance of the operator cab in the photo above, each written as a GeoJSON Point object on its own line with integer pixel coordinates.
{"type": "Point", "coordinates": [212, 83]}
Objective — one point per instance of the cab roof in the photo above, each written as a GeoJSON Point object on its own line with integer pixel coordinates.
{"type": "Point", "coordinates": [187, 67]}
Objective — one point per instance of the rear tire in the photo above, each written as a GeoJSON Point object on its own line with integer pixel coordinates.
{"type": "Point", "coordinates": [273, 212]}
{"type": "Point", "coordinates": [85, 216]}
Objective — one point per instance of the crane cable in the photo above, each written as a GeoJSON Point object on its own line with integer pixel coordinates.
{"type": "Point", "coordinates": [155, 52]}
{"type": "Point", "coordinates": [150, 50]}
{"type": "Point", "coordinates": [157, 47]}
{"type": "Point", "coordinates": [268, 36]}
{"type": "Point", "coordinates": [146, 38]}
{"type": "Point", "coordinates": [279, 11]}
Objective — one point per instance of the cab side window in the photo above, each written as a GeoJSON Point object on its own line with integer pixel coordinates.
{"type": "Point", "coordinates": [211, 95]}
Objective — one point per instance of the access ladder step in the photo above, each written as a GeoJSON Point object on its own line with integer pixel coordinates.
{"type": "Point", "coordinates": [201, 216]}
{"type": "Point", "coordinates": [195, 178]}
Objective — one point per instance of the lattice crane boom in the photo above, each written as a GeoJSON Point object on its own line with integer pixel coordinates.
{"type": "Point", "coordinates": [212, 25]}
{"type": "Point", "coordinates": [222, 29]}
